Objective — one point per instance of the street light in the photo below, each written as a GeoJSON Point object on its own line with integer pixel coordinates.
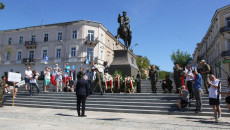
{"type": "Point", "coordinates": [134, 46]}
{"type": "Point", "coordinates": [65, 56]}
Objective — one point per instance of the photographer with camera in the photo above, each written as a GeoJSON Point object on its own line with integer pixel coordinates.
{"type": "Point", "coordinates": [197, 84]}
{"type": "Point", "coordinates": [184, 97]}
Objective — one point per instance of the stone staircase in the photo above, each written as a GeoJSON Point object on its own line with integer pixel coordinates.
{"type": "Point", "coordinates": [144, 103]}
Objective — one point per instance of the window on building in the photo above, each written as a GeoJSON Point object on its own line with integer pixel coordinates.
{"type": "Point", "coordinates": [21, 40]}
{"type": "Point", "coordinates": [228, 45]}
{"type": "Point", "coordinates": [74, 34]}
{"type": "Point", "coordinates": [33, 38]}
{"type": "Point", "coordinates": [102, 55]}
{"type": "Point", "coordinates": [58, 53]}
{"type": "Point", "coordinates": [228, 21]}
{"type": "Point", "coordinates": [59, 37]}
{"type": "Point", "coordinates": [10, 41]}
{"type": "Point", "coordinates": [102, 38]}
{"type": "Point", "coordinates": [19, 55]}
{"type": "Point", "coordinates": [109, 43]}
{"type": "Point", "coordinates": [113, 46]}
{"type": "Point", "coordinates": [46, 37]}
{"type": "Point", "coordinates": [31, 56]}
{"type": "Point", "coordinates": [108, 58]}
{"type": "Point", "coordinates": [91, 35]}
{"type": "Point", "coordinates": [44, 53]}
{"type": "Point", "coordinates": [73, 51]}
{"type": "Point", "coordinates": [90, 54]}
{"type": "Point", "coordinates": [7, 56]}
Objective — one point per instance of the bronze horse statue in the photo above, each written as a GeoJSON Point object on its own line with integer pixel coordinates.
{"type": "Point", "coordinates": [124, 32]}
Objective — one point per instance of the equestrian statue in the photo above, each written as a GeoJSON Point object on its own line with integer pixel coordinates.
{"type": "Point", "coordinates": [124, 31]}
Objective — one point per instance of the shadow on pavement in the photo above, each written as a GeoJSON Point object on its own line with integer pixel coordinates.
{"type": "Point", "coordinates": [206, 121]}
{"type": "Point", "coordinates": [109, 119]}
{"type": "Point", "coordinates": [60, 114]}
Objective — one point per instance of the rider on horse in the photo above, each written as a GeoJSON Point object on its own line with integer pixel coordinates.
{"type": "Point", "coordinates": [126, 21]}
{"type": "Point", "coordinates": [124, 31]}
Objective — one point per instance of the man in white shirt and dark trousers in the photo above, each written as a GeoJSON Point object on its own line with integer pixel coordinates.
{"type": "Point", "coordinates": [214, 96]}
{"type": "Point", "coordinates": [189, 78]}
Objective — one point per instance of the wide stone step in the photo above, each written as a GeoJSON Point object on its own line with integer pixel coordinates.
{"type": "Point", "coordinates": [141, 111]}
{"type": "Point", "coordinates": [103, 102]}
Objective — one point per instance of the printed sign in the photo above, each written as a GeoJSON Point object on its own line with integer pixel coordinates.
{"type": "Point", "coordinates": [87, 61]}
{"type": "Point", "coordinates": [14, 77]}
{"type": "Point", "coordinates": [193, 67]}
{"type": "Point", "coordinates": [46, 59]}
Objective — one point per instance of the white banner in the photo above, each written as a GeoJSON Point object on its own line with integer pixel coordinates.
{"type": "Point", "coordinates": [14, 77]}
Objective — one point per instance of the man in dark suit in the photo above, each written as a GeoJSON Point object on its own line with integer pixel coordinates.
{"type": "Point", "coordinates": [82, 93]}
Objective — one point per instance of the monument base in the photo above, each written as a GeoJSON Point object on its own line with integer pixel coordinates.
{"type": "Point", "coordinates": [124, 61]}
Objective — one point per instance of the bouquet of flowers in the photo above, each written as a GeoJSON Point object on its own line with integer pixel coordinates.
{"type": "Point", "coordinates": [129, 83]}
{"type": "Point", "coordinates": [117, 81]}
{"type": "Point", "coordinates": [108, 81]}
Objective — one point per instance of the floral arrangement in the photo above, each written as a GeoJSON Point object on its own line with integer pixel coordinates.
{"type": "Point", "coordinates": [130, 83]}
{"type": "Point", "coordinates": [108, 81]}
{"type": "Point", "coordinates": [117, 81]}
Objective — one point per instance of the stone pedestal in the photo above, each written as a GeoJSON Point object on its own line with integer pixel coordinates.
{"type": "Point", "coordinates": [125, 61]}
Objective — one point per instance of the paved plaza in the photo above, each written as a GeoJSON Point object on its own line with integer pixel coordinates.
{"type": "Point", "coordinates": [22, 118]}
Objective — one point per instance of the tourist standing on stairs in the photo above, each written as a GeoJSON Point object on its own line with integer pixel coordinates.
{"type": "Point", "coordinates": [59, 80]}
{"type": "Point", "coordinates": [177, 75]}
{"type": "Point", "coordinates": [214, 96]}
{"type": "Point", "coordinates": [28, 74]}
{"type": "Point", "coordinates": [47, 78]}
{"type": "Point", "coordinates": [189, 78]}
{"type": "Point", "coordinates": [153, 75]}
{"type": "Point", "coordinates": [33, 82]}
{"type": "Point", "coordinates": [197, 84]}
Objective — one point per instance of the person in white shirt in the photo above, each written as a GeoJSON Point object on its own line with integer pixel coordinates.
{"type": "Point", "coordinates": [59, 80]}
{"type": "Point", "coordinates": [33, 81]}
{"type": "Point", "coordinates": [28, 74]}
{"type": "Point", "coordinates": [214, 96]}
{"type": "Point", "coordinates": [189, 79]}
{"type": "Point", "coordinates": [47, 78]}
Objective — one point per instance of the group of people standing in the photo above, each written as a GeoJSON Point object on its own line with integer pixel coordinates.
{"type": "Point", "coordinates": [192, 88]}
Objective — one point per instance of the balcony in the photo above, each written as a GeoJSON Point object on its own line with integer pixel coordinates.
{"type": "Point", "coordinates": [28, 61]}
{"type": "Point", "coordinates": [225, 53]}
{"type": "Point", "coordinates": [91, 42]}
{"type": "Point", "coordinates": [30, 44]}
{"type": "Point", "coordinates": [225, 29]}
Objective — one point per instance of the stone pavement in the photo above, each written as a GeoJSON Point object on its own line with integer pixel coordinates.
{"type": "Point", "coordinates": [23, 118]}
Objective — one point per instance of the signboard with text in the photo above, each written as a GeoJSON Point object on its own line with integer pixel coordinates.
{"type": "Point", "coordinates": [14, 77]}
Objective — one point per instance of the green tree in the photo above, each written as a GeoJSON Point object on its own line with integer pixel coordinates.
{"type": "Point", "coordinates": [2, 6]}
{"type": "Point", "coordinates": [143, 64]}
{"type": "Point", "coordinates": [163, 73]}
{"type": "Point", "coordinates": [181, 58]}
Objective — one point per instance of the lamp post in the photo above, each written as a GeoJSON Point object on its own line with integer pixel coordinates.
{"type": "Point", "coordinates": [65, 56]}
{"type": "Point", "coordinates": [134, 46]}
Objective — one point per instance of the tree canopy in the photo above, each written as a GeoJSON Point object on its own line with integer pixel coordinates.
{"type": "Point", "coordinates": [181, 58]}
{"type": "Point", "coordinates": [143, 64]}
{"type": "Point", "coordinates": [2, 6]}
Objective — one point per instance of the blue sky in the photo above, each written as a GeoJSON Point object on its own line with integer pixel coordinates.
{"type": "Point", "coordinates": [159, 26]}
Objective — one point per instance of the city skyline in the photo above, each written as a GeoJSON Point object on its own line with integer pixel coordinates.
{"type": "Point", "coordinates": [159, 27]}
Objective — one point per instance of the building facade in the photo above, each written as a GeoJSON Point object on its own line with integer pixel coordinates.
{"type": "Point", "coordinates": [69, 42]}
{"type": "Point", "coordinates": [215, 45]}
